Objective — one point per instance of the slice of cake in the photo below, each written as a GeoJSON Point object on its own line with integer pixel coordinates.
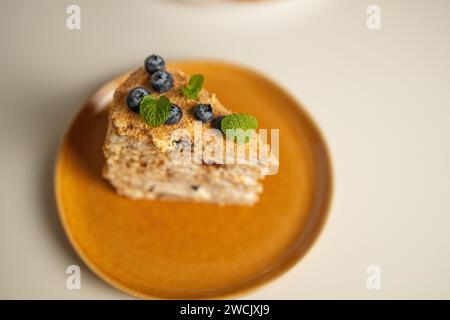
{"type": "Point", "coordinates": [162, 141]}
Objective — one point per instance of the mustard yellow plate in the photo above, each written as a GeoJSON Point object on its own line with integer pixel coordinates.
{"type": "Point", "coordinates": [183, 250]}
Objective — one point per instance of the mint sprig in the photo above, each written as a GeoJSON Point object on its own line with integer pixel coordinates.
{"type": "Point", "coordinates": [239, 126]}
{"type": "Point", "coordinates": [155, 111]}
{"type": "Point", "coordinates": [194, 86]}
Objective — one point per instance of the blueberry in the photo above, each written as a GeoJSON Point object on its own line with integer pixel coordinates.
{"type": "Point", "coordinates": [134, 98]}
{"type": "Point", "coordinates": [175, 115]}
{"type": "Point", "coordinates": [161, 81]}
{"type": "Point", "coordinates": [154, 63]}
{"type": "Point", "coordinates": [217, 122]}
{"type": "Point", "coordinates": [203, 112]}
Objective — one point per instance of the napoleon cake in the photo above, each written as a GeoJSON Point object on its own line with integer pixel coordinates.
{"type": "Point", "coordinates": [168, 138]}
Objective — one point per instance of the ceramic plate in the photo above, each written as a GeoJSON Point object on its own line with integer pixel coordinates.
{"type": "Point", "coordinates": [183, 250]}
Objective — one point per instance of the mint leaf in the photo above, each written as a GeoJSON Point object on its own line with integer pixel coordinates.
{"type": "Point", "coordinates": [194, 86]}
{"type": "Point", "coordinates": [155, 112]}
{"type": "Point", "coordinates": [239, 126]}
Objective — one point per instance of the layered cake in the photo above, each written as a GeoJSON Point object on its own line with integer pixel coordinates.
{"type": "Point", "coordinates": [169, 138]}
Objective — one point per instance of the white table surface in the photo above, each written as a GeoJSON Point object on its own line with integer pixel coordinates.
{"type": "Point", "coordinates": [381, 98]}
